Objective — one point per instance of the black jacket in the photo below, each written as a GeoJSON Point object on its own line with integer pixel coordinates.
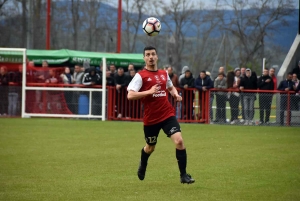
{"type": "Point", "coordinates": [262, 84]}
{"type": "Point", "coordinates": [190, 81]}
{"type": "Point", "coordinates": [249, 82]}
{"type": "Point", "coordinates": [121, 80]}
{"type": "Point", "coordinates": [89, 79]}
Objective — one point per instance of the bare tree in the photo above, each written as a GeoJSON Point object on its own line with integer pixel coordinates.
{"type": "Point", "coordinates": [179, 12]}
{"type": "Point", "coordinates": [251, 26]}
{"type": "Point", "coordinates": [133, 22]}
{"type": "Point", "coordinates": [75, 21]}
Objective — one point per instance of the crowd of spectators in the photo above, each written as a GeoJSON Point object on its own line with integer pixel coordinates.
{"type": "Point", "coordinates": [227, 87]}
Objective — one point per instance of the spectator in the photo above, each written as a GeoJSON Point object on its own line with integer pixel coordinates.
{"type": "Point", "coordinates": [130, 68]}
{"type": "Point", "coordinates": [40, 77]}
{"type": "Point", "coordinates": [295, 98]}
{"type": "Point", "coordinates": [16, 108]}
{"type": "Point", "coordinates": [185, 68]}
{"type": "Point", "coordinates": [78, 77]}
{"type": "Point", "coordinates": [233, 83]}
{"type": "Point", "coordinates": [113, 71]}
{"type": "Point", "coordinates": [66, 77]}
{"type": "Point", "coordinates": [203, 83]}
{"type": "Point", "coordinates": [173, 76]}
{"type": "Point", "coordinates": [187, 95]}
{"type": "Point", "coordinates": [120, 81]}
{"type": "Point", "coordinates": [243, 72]}
{"type": "Point", "coordinates": [3, 91]}
{"type": "Point", "coordinates": [110, 81]}
{"type": "Point", "coordinates": [221, 70]}
{"type": "Point", "coordinates": [285, 85]}
{"type": "Point", "coordinates": [211, 99]}
{"type": "Point", "coordinates": [265, 82]}
{"type": "Point", "coordinates": [272, 75]}
{"type": "Point", "coordinates": [78, 74]}
{"type": "Point", "coordinates": [248, 82]}
{"type": "Point", "coordinates": [93, 78]}
{"type": "Point", "coordinates": [220, 85]}
{"type": "Point", "coordinates": [52, 78]}
{"type": "Point", "coordinates": [130, 77]}
{"type": "Point", "coordinates": [296, 70]}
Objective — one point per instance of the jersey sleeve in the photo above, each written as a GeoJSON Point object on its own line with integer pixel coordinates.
{"type": "Point", "coordinates": [136, 83]}
{"type": "Point", "coordinates": [169, 82]}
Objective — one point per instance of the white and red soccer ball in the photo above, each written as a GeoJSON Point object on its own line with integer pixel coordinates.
{"type": "Point", "coordinates": [151, 26]}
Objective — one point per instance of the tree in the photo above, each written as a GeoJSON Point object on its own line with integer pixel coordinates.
{"type": "Point", "coordinates": [251, 26]}
{"type": "Point", "coordinates": [179, 12]}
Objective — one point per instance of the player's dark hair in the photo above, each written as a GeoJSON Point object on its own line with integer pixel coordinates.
{"type": "Point", "coordinates": [149, 48]}
{"type": "Point", "coordinates": [230, 79]}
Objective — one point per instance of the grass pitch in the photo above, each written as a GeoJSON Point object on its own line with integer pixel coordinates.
{"type": "Point", "coordinates": [59, 159]}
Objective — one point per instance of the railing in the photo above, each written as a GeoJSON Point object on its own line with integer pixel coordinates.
{"type": "Point", "coordinates": [226, 106]}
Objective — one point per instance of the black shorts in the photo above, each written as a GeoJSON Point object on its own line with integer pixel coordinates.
{"type": "Point", "coordinates": [170, 126]}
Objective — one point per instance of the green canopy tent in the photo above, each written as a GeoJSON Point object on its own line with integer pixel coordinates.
{"type": "Point", "coordinates": [64, 56]}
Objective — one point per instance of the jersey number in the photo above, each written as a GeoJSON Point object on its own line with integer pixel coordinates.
{"type": "Point", "coordinates": [151, 139]}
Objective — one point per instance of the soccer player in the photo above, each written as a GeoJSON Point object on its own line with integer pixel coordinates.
{"type": "Point", "coordinates": [150, 86]}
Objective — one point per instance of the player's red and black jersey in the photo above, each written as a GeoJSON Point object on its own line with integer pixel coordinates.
{"type": "Point", "coordinates": [156, 107]}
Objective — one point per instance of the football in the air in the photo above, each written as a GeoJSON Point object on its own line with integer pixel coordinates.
{"type": "Point", "coordinates": [151, 26]}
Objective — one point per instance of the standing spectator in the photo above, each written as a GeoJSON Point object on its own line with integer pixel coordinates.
{"type": "Point", "coordinates": [53, 97]}
{"type": "Point", "coordinates": [66, 77]}
{"type": "Point", "coordinates": [285, 85]}
{"type": "Point", "coordinates": [221, 70]}
{"type": "Point", "coordinates": [3, 91]}
{"type": "Point", "coordinates": [233, 83]}
{"type": "Point", "coordinates": [265, 82]}
{"type": "Point", "coordinates": [295, 98]}
{"type": "Point", "coordinates": [296, 70]}
{"type": "Point", "coordinates": [130, 68]}
{"type": "Point", "coordinates": [243, 72]}
{"type": "Point", "coordinates": [78, 74]}
{"type": "Point", "coordinates": [272, 75]}
{"type": "Point", "coordinates": [211, 98]}
{"type": "Point", "coordinates": [40, 77]}
{"type": "Point", "coordinates": [248, 82]}
{"type": "Point", "coordinates": [120, 81]}
{"type": "Point", "coordinates": [18, 81]}
{"type": "Point", "coordinates": [113, 71]}
{"type": "Point", "coordinates": [130, 77]}
{"type": "Point", "coordinates": [220, 85]}
{"type": "Point", "coordinates": [93, 78]}
{"type": "Point", "coordinates": [174, 78]}
{"type": "Point", "coordinates": [187, 95]}
{"type": "Point", "coordinates": [185, 68]}
{"type": "Point", "coordinates": [203, 83]}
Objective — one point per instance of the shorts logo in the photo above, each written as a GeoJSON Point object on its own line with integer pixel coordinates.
{"type": "Point", "coordinates": [173, 130]}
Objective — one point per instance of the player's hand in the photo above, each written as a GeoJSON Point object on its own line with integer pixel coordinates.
{"type": "Point", "coordinates": [177, 97]}
{"type": "Point", "coordinates": [268, 80]}
{"type": "Point", "coordinates": [154, 89]}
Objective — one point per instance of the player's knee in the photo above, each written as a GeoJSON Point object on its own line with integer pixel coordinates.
{"type": "Point", "coordinates": [179, 142]}
{"type": "Point", "coordinates": [149, 149]}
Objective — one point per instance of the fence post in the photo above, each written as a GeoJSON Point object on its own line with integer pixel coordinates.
{"type": "Point", "coordinates": [288, 115]}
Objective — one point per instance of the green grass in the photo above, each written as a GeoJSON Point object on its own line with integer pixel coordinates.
{"type": "Point", "coordinates": [60, 159]}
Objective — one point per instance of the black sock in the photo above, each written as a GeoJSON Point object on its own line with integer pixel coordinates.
{"type": "Point", "coordinates": [144, 158]}
{"type": "Point", "coordinates": [182, 160]}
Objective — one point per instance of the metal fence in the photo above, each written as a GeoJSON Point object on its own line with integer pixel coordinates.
{"type": "Point", "coordinates": [248, 107]}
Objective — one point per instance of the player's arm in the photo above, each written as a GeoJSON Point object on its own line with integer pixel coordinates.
{"type": "Point", "coordinates": [173, 91]}
{"type": "Point", "coordinates": [135, 95]}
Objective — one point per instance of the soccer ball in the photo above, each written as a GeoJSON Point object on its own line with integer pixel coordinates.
{"type": "Point", "coordinates": [151, 26]}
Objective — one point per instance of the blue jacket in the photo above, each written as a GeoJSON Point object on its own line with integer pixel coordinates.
{"type": "Point", "coordinates": [286, 84]}
{"type": "Point", "coordinates": [206, 82]}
